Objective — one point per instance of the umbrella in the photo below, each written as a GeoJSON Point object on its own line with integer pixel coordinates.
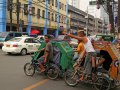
{"type": "Point", "coordinates": [35, 32]}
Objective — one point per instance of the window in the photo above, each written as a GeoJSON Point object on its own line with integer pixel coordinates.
{"type": "Point", "coordinates": [60, 19]}
{"type": "Point", "coordinates": [48, 15]}
{"type": "Point", "coordinates": [10, 35]}
{"type": "Point", "coordinates": [28, 40]}
{"type": "Point", "coordinates": [18, 34]}
{"type": "Point", "coordinates": [52, 2]}
{"type": "Point", "coordinates": [35, 41]}
{"type": "Point", "coordinates": [33, 11]}
{"type": "Point", "coordinates": [8, 5]}
{"type": "Point", "coordinates": [38, 13]}
{"type": "Point", "coordinates": [52, 17]}
{"type": "Point", "coordinates": [55, 17]}
{"type": "Point", "coordinates": [56, 3]}
{"type": "Point", "coordinates": [25, 9]}
{"type": "Point", "coordinates": [65, 7]}
{"type": "Point", "coordinates": [49, 1]}
{"type": "Point", "coordinates": [60, 4]}
{"type": "Point", "coordinates": [43, 13]}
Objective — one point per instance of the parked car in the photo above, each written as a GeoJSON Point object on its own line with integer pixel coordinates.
{"type": "Point", "coordinates": [74, 43]}
{"type": "Point", "coordinates": [40, 38]}
{"type": "Point", "coordinates": [22, 45]}
{"type": "Point", "coordinates": [5, 36]}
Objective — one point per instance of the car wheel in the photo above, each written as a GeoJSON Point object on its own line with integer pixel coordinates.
{"type": "Point", "coordinates": [23, 52]}
{"type": "Point", "coordinates": [9, 53]}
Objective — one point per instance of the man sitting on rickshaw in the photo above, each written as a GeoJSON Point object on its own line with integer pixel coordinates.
{"type": "Point", "coordinates": [48, 53]}
{"type": "Point", "coordinates": [90, 54]}
{"type": "Point", "coordinates": [105, 61]}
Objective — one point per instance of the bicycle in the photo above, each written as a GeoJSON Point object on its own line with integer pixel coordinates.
{"type": "Point", "coordinates": [51, 70]}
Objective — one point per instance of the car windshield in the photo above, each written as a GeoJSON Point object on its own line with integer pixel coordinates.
{"type": "Point", "coordinates": [3, 34]}
{"type": "Point", "coordinates": [15, 39]}
{"type": "Point", "coordinates": [61, 37]}
{"type": "Point", "coordinates": [74, 40]}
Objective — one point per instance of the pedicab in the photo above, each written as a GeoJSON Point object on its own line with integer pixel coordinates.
{"type": "Point", "coordinates": [110, 79]}
{"type": "Point", "coordinates": [62, 60]}
{"type": "Point", "coordinates": [104, 79]}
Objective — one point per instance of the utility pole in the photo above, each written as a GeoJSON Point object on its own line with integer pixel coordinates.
{"type": "Point", "coordinates": [111, 16]}
{"type": "Point", "coordinates": [67, 16]}
{"type": "Point", "coordinates": [18, 11]}
{"type": "Point", "coordinates": [58, 18]}
{"type": "Point", "coordinates": [11, 7]}
{"type": "Point", "coordinates": [118, 16]}
{"type": "Point", "coordinates": [46, 18]}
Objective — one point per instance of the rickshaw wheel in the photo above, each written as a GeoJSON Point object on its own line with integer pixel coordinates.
{"type": "Point", "coordinates": [29, 69]}
{"type": "Point", "coordinates": [102, 84]}
{"type": "Point", "coordinates": [71, 77]}
{"type": "Point", "coordinates": [52, 72]}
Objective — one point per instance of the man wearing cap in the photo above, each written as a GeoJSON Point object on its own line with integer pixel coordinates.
{"type": "Point", "coordinates": [90, 62]}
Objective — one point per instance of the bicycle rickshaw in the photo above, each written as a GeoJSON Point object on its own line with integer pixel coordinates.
{"type": "Point", "coordinates": [62, 60]}
{"type": "Point", "coordinates": [112, 78]}
{"type": "Point", "coordinates": [104, 79]}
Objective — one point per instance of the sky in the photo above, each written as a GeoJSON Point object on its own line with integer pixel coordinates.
{"type": "Point", "coordinates": [83, 4]}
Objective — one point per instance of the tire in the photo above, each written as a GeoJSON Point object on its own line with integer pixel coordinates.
{"type": "Point", "coordinates": [102, 83]}
{"type": "Point", "coordinates": [9, 53]}
{"type": "Point", "coordinates": [52, 72]}
{"type": "Point", "coordinates": [71, 77]}
{"type": "Point", "coordinates": [29, 69]}
{"type": "Point", "coordinates": [23, 52]}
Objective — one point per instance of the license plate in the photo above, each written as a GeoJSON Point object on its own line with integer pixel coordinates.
{"type": "Point", "coordinates": [7, 45]}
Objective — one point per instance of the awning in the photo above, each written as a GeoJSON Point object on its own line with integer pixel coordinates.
{"type": "Point", "coordinates": [35, 31]}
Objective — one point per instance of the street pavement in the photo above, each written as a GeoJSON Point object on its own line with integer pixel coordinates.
{"type": "Point", "coordinates": [12, 76]}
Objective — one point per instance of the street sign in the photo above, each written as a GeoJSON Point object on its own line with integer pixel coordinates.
{"type": "Point", "coordinates": [96, 2]}
{"type": "Point", "coordinates": [92, 2]}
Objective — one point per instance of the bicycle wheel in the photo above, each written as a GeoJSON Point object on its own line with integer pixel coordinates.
{"type": "Point", "coordinates": [71, 77]}
{"type": "Point", "coordinates": [52, 72]}
{"type": "Point", "coordinates": [29, 69]}
{"type": "Point", "coordinates": [102, 83]}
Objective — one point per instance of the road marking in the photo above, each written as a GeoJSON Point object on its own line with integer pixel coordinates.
{"type": "Point", "coordinates": [36, 84]}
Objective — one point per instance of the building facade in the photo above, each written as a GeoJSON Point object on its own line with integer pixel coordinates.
{"type": "Point", "coordinates": [37, 13]}
{"type": "Point", "coordinates": [78, 20]}
{"type": "Point", "coordinates": [101, 26]}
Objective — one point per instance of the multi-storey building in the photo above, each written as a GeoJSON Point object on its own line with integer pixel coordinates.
{"type": "Point", "coordinates": [78, 20]}
{"type": "Point", "coordinates": [38, 15]}
{"type": "Point", "coordinates": [100, 26]}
